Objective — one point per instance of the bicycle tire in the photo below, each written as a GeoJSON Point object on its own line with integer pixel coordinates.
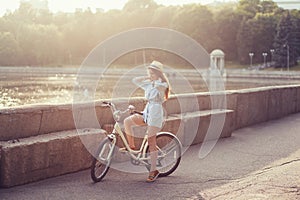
{"type": "Point", "coordinates": [167, 142]}
{"type": "Point", "coordinates": [101, 163]}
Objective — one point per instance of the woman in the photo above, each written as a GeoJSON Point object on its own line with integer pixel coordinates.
{"type": "Point", "coordinates": [156, 87]}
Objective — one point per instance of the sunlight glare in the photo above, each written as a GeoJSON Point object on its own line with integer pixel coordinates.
{"type": "Point", "coordinates": [58, 5]}
{"type": "Point", "coordinates": [63, 6]}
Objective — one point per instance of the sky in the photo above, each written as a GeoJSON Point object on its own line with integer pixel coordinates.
{"type": "Point", "coordinates": [71, 5]}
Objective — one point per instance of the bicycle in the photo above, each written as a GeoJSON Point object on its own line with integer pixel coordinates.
{"type": "Point", "coordinates": [168, 146]}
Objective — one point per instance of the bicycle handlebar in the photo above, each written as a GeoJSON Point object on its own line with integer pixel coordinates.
{"type": "Point", "coordinates": [130, 108]}
{"type": "Point", "coordinates": [137, 112]}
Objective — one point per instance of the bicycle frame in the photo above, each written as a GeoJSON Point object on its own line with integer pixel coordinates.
{"type": "Point", "coordinates": [168, 157]}
{"type": "Point", "coordinates": [138, 155]}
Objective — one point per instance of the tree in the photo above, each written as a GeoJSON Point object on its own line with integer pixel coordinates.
{"type": "Point", "coordinates": [228, 23]}
{"type": "Point", "coordinates": [245, 41]}
{"type": "Point", "coordinates": [47, 44]}
{"type": "Point", "coordinates": [163, 16]}
{"type": "Point", "coordinates": [135, 5]}
{"type": "Point", "coordinates": [39, 37]}
{"type": "Point", "coordinates": [197, 21]}
{"type": "Point", "coordinates": [256, 35]}
{"type": "Point", "coordinates": [295, 41]}
{"type": "Point", "coordinates": [248, 8]}
{"type": "Point", "coordinates": [9, 49]}
{"type": "Point", "coordinates": [268, 6]}
{"type": "Point", "coordinates": [283, 41]}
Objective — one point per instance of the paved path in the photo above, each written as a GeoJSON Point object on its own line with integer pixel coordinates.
{"type": "Point", "coordinates": [258, 162]}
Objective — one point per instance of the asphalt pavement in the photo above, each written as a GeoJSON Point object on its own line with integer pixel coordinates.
{"type": "Point", "coordinates": [257, 162]}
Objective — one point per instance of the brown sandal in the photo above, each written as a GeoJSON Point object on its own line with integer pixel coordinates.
{"type": "Point", "coordinates": [152, 176]}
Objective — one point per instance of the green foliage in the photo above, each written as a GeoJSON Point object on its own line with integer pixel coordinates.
{"type": "Point", "coordinates": [137, 5]}
{"type": "Point", "coordinates": [9, 49]}
{"type": "Point", "coordinates": [197, 22]}
{"type": "Point", "coordinates": [32, 36]}
{"type": "Point", "coordinates": [281, 41]}
{"type": "Point", "coordinates": [287, 41]}
{"type": "Point", "coordinates": [227, 25]}
{"type": "Point", "coordinates": [256, 35]}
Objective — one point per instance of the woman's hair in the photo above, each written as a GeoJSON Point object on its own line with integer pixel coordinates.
{"type": "Point", "coordinates": [164, 78]}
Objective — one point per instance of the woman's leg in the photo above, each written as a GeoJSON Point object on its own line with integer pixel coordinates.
{"type": "Point", "coordinates": [152, 131]}
{"type": "Point", "coordinates": [133, 120]}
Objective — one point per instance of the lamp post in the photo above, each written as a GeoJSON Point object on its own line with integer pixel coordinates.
{"type": "Point", "coordinates": [251, 56]}
{"type": "Point", "coordinates": [272, 53]}
{"type": "Point", "coordinates": [264, 55]}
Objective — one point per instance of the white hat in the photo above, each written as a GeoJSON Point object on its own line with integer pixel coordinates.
{"type": "Point", "coordinates": [156, 65]}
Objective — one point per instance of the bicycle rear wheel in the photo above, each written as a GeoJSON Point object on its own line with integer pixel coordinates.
{"type": "Point", "coordinates": [102, 160]}
{"type": "Point", "coordinates": [169, 153]}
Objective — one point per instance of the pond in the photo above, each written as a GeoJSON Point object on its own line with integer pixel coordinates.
{"type": "Point", "coordinates": [44, 85]}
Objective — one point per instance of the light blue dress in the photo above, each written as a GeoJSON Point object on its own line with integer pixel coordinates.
{"type": "Point", "coordinates": [154, 93]}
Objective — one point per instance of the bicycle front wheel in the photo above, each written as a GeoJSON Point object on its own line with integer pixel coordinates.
{"type": "Point", "coordinates": [169, 153]}
{"type": "Point", "coordinates": [102, 160]}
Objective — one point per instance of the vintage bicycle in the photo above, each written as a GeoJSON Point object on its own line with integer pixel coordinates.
{"type": "Point", "coordinates": [169, 149]}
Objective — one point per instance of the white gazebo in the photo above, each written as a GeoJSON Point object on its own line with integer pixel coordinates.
{"type": "Point", "coordinates": [216, 72]}
{"type": "Point", "coordinates": [217, 60]}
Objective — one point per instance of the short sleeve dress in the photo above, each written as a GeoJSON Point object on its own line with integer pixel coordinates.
{"type": "Point", "coordinates": [154, 93]}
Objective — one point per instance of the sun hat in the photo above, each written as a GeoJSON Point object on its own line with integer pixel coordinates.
{"type": "Point", "coordinates": [156, 65]}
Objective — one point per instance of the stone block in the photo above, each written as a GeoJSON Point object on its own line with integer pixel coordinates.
{"type": "Point", "coordinates": [47, 155]}
{"type": "Point", "coordinates": [198, 125]}
{"type": "Point", "coordinates": [252, 107]}
{"type": "Point", "coordinates": [289, 97]}
{"type": "Point", "coordinates": [242, 108]}
{"type": "Point", "coordinates": [275, 104]}
{"type": "Point", "coordinates": [19, 123]}
{"type": "Point", "coordinates": [173, 124]}
{"type": "Point", "coordinates": [298, 100]}
{"type": "Point", "coordinates": [214, 125]}
{"type": "Point", "coordinates": [191, 128]}
{"type": "Point", "coordinates": [56, 119]}
{"type": "Point", "coordinates": [204, 101]}
{"type": "Point", "coordinates": [229, 125]}
{"type": "Point", "coordinates": [172, 106]}
{"type": "Point", "coordinates": [231, 100]}
{"type": "Point", "coordinates": [87, 116]}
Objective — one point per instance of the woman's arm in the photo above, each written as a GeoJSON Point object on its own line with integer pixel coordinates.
{"type": "Point", "coordinates": [141, 81]}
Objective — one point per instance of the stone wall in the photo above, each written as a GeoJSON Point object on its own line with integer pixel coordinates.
{"type": "Point", "coordinates": [258, 105]}
{"type": "Point", "coordinates": [250, 105]}
{"type": "Point", "coordinates": [38, 142]}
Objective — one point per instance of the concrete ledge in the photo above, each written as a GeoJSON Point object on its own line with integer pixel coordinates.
{"type": "Point", "coordinates": [49, 155]}
{"type": "Point", "coordinates": [251, 105]}
{"type": "Point", "coordinates": [22, 123]}
{"type": "Point", "coordinates": [46, 155]}
{"type": "Point", "coordinates": [184, 125]}
{"type": "Point", "coordinates": [258, 105]}
{"type": "Point", "coordinates": [298, 100]}
{"type": "Point", "coordinates": [252, 108]}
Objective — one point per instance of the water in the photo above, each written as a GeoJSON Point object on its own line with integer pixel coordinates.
{"type": "Point", "coordinates": [40, 85]}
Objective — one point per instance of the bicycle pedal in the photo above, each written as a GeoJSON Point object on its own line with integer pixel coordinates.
{"type": "Point", "coordinates": [123, 150]}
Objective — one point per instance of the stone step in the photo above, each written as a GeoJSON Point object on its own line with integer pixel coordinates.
{"type": "Point", "coordinates": [39, 157]}
{"type": "Point", "coordinates": [48, 155]}
{"type": "Point", "coordinates": [192, 127]}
